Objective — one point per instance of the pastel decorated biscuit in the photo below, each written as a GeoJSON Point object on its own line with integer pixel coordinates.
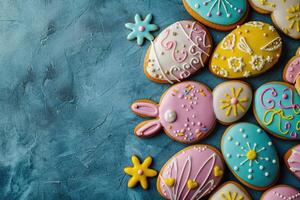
{"type": "Point", "coordinates": [230, 191]}
{"type": "Point", "coordinates": [185, 112]}
{"type": "Point", "coordinates": [277, 109]}
{"type": "Point", "coordinates": [250, 155]}
{"type": "Point", "coordinates": [218, 14]}
{"type": "Point", "coordinates": [292, 160]}
{"type": "Point", "coordinates": [249, 50]}
{"type": "Point", "coordinates": [291, 72]}
{"type": "Point", "coordinates": [285, 14]}
{"type": "Point", "coordinates": [231, 101]}
{"type": "Point", "coordinates": [192, 173]}
{"type": "Point", "coordinates": [281, 192]}
{"type": "Point", "coordinates": [178, 52]}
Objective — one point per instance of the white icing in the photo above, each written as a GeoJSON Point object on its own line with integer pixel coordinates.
{"type": "Point", "coordinates": [170, 116]}
{"type": "Point", "coordinates": [244, 46]}
{"type": "Point", "coordinates": [236, 64]}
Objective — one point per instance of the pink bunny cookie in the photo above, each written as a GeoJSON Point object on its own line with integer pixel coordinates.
{"type": "Point", "coordinates": [185, 113]}
{"type": "Point", "coordinates": [292, 71]}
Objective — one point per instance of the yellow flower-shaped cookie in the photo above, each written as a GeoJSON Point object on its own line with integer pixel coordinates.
{"type": "Point", "coordinates": [140, 172]}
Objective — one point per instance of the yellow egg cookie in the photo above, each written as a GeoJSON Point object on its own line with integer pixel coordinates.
{"type": "Point", "coordinates": [249, 50]}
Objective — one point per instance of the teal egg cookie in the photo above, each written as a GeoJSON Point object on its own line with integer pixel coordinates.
{"type": "Point", "coordinates": [219, 14]}
{"type": "Point", "coordinates": [277, 109]}
{"type": "Point", "coordinates": [250, 155]}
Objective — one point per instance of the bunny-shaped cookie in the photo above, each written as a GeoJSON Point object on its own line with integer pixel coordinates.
{"type": "Point", "coordinates": [285, 14]}
{"type": "Point", "coordinates": [185, 113]}
{"type": "Point", "coordinates": [292, 71]}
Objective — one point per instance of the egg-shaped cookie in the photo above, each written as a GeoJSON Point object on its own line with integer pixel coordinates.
{"type": "Point", "coordinates": [178, 52]}
{"type": "Point", "coordinates": [285, 14]}
{"type": "Point", "coordinates": [292, 160]}
{"type": "Point", "coordinates": [277, 109]}
{"type": "Point", "coordinates": [192, 173]}
{"type": "Point", "coordinates": [230, 191]}
{"type": "Point", "coordinates": [231, 101]}
{"type": "Point", "coordinates": [281, 192]}
{"type": "Point", "coordinates": [250, 155]}
{"type": "Point", "coordinates": [249, 50]}
{"type": "Point", "coordinates": [218, 14]}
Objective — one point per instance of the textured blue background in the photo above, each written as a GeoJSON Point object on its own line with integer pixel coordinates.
{"type": "Point", "coordinates": [67, 78]}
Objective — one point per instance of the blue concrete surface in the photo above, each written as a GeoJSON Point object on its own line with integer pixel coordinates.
{"type": "Point", "coordinates": [67, 78]}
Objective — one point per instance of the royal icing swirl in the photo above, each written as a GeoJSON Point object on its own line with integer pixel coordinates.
{"type": "Point", "coordinates": [178, 52]}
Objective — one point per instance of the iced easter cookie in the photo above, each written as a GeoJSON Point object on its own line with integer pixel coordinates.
{"type": "Point", "coordinates": [277, 109]}
{"type": "Point", "coordinates": [192, 173]}
{"type": "Point", "coordinates": [281, 192]}
{"type": "Point", "coordinates": [178, 52]}
{"type": "Point", "coordinates": [249, 50]}
{"type": "Point", "coordinates": [218, 14]}
{"type": "Point", "coordinates": [250, 155]}
{"type": "Point", "coordinates": [285, 14]}
{"type": "Point", "coordinates": [292, 160]}
{"type": "Point", "coordinates": [291, 72]}
{"type": "Point", "coordinates": [185, 112]}
{"type": "Point", "coordinates": [230, 191]}
{"type": "Point", "coordinates": [231, 101]}
{"type": "Point", "coordinates": [139, 172]}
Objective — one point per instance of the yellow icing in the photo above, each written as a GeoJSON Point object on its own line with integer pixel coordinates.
{"type": "Point", "coordinates": [191, 184]}
{"type": "Point", "coordinates": [169, 181]}
{"type": "Point", "coordinates": [297, 85]}
{"type": "Point", "coordinates": [140, 172]}
{"type": "Point", "coordinates": [249, 50]}
{"type": "Point", "coordinates": [251, 155]}
{"type": "Point", "coordinates": [218, 171]}
{"type": "Point", "coordinates": [232, 196]}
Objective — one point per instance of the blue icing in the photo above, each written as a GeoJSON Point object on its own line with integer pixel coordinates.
{"type": "Point", "coordinates": [277, 108]}
{"type": "Point", "coordinates": [238, 144]}
{"type": "Point", "coordinates": [230, 11]}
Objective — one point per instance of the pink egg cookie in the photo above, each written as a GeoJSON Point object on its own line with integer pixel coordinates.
{"type": "Point", "coordinates": [191, 173]}
{"type": "Point", "coordinates": [291, 72]}
{"type": "Point", "coordinates": [281, 192]}
{"type": "Point", "coordinates": [292, 160]}
{"type": "Point", "coordinates": [185, 112]}
{"type": "Point", "coordinates": [178, 52]}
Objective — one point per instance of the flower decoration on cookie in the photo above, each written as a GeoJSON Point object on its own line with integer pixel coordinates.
{"type": "Point", "coordinates": [249, 50]}
{"type": "Point", "coordinates": [285, 14]}
{"type": "Point", "coordinates": [139, 172]}
{"type": "Point", "coordinates": [218, 14]}
{"type": "Point", "coordinates": [250, 154]}
{"type": "Point", "coordinates": [191, 173]}
{"type": "Point", "coordinates": [292, 71]}
{"type": "Point", "coordinates": [185, 113]}
{"type": "Point", "coordinates": [141, 29]}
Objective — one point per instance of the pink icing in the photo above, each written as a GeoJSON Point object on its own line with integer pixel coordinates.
{"type": "Point", "coordinates": [145, 108]}
{"type": "Point", "coordinates": [293, 71]}
{"type": "Point", "coordinates": [193, 104]}
{"type": "Point", "coordinates": [294, 161]}
{"type": "Point", "coordinates": [193, 163]}
{"type": "Point", "coordinates": [281, 192]}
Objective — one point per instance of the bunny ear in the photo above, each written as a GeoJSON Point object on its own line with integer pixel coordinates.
{"type": "Point", "coordinates": [145, 108]}
{"type": "Point", "coordinates": [148, 128]}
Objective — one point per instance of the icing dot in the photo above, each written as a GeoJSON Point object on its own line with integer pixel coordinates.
{"type": "Point", "coordinates": [197, 5]}
{"type": "Point", "coordinates": [142, 28]}
{"type": "Point", "coordinates": [274, 161]}
{"type": "Point", "coordinates": [228, 155]}
{"type": "Point", "coordinates": [239, 10]}
{"type": "Point", "coordinates": [140, 172]}
{"type": "Point", "coordinates": [250, 176]}
{"type": "Point", "coordinates": [228, 15]}
{"type": "Point", "coordinates": [241, 130]}
{"type": "Point", "coordinates": [284, 96]}
{"type": "Point", "coordinates": [234, 101]}
{"type": "Point", "coordinates": [236, 168]}
{"type": "Point", "coordinates": [261, 167]}
{"type": "Point", "coordinates": [219, 13]}
{"type": "Point", "coordinates": [267, 159]}
{"type": "Point", "coordinates": [259, 130]}
{"type": "Point", "coordinates": [209, 14]}
{"type": "Point", "coordinates": [237, 144]}
{"type": "Point", "coordinates": [250, 170]}
{"type": "Point", "coordinates": [170, 116]}
{"type": "Point", "coordinates": [270, 143]}
{"type": "Point", "coordinates": [267, 174]}
{"type": "Point", "coordinates": [245, 136]}
{"type": "Point", "coordinates": [230, 138]}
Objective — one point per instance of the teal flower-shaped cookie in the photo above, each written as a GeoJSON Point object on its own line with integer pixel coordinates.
{"type": "Point", "coordinates": [141, 29]}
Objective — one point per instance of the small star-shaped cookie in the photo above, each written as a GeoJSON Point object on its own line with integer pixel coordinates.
{"type": "Point", "coordinates": [141, 29]}
{"type": "Point", "coordinates": [139, 172]}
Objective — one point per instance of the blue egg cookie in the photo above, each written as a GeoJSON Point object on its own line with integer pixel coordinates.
{"type": "Point", "coordinates": [218, 14]}
{"type": "Point", "coordinates": [250, 155]}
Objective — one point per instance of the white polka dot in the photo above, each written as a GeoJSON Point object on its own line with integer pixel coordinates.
{"type": "Point", "coordinates": [230, 138]}
{"type": "Point", "coordinates": [228, 155]}
{"type": "Point", "coordinates": [245, 136]}
{"type": "Point", "coordinates": [259, 130]}
{"type": "Point", "coordinates": [237, 144]}
{"type": "Point", "coordinates": [267, 159]}
{"type": "Point", "coordinates": [261, 167]}
{"type": "Point", "coordinates": [236, 168]}
{"type": "Point", "coordinates": [267, 174]}
{"type": "Point", "coordinates": [270, 143]}
{"type": "Point", "coordinates": [250, 170]}
{"type": "Point", "coordinates": [250, 176]}
{"type": "Point", "coordinates": [197, 5]}
{"type": "Point", "coordinates": [274, 161]}
{"type": "Point", "coordinates": [241, 130]}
